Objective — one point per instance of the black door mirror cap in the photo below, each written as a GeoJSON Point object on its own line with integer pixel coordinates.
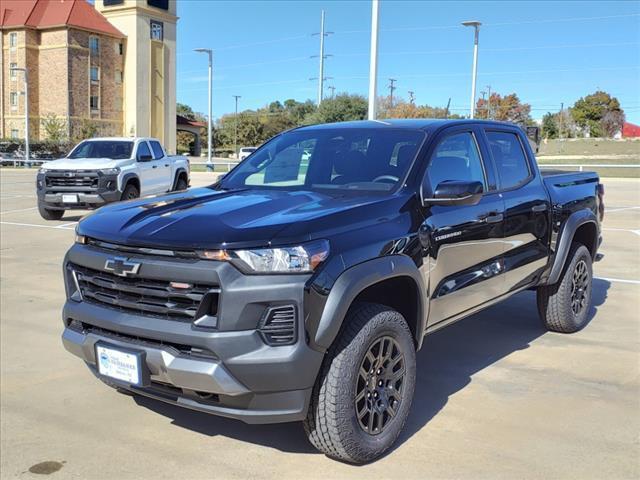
{"type": "Point", "coordinates": [144, 158]}
{"type": "Point", "coordinates": [456, 192]}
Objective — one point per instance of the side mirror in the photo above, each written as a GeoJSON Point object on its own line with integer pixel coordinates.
{"type": "Point", "coordinates": [455, 192]}
{"type": "Point", "coordinates": [144, 158]}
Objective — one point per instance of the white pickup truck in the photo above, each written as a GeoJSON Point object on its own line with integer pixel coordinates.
{"type": "Point", "coordinates": [104, 170]}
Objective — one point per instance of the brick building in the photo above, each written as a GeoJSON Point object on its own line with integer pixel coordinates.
{"type": "Point", "coordinates": [108, 68]}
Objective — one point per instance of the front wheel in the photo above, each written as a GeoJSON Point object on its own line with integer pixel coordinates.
{"type": "Point", "coordinates": [49, 214]}
{"type": "Point", "coordinates": [181, 184]}
{"type": "Point", "coordinates": [363, 394]}
{"type": "Point", "coordinates": [130, 192]}
{"type": "Point", "coordinates": [564, 307]}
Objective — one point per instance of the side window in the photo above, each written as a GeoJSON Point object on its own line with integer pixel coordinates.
{"type": "Point", "coordinates": [456, 158]}
{"type": "Point", "coordinates": [511, 163]}
{"type": "Point", "coordinates": [157, 150]}
{"type": "Point", "coordinates": [143, 150]}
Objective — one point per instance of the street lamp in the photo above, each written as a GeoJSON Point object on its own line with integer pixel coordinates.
{"type": "Point", "coordinates": [26, 110]}
{"type": "Point", "coordinates": [476, 25]}
{"type": "Point", "coordinates": [209, 52]}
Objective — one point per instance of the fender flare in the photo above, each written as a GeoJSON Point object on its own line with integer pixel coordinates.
{"type": "Point", "coordinates": [355, 280]}
{"type": "Point", "coordinates": [176, 176]}
{"type": "Point", "coordinates": [571, 225]}
{"type": "Point", "coordinates": [127, 177]}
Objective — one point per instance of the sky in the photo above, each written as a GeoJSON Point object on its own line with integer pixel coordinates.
{"type": "Point", "coordinates": [547, 52]}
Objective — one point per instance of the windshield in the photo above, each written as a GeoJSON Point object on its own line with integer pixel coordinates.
{"type": "Point", "coordinates": [113, 149]}
{"type": "Point", "coordinates": [354, 159]}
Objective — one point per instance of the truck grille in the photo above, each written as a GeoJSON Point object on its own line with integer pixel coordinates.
{"type": "Point", "coordinates": [71, 178]}
{"type": "Point", "coordinates": [156, 298]}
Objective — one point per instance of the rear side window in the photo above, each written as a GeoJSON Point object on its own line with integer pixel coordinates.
{"type": "Point", "coordinates": [511, 163]}
{"type": "Point", "coordinates": [157, 149]}
{"type": "Point", "coordinates": [456, 158]}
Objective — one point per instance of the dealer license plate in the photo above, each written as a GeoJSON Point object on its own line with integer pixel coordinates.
{"type": "Point", "coordinates": [67, 198]}
{"type": "Point", "coordinates": [119, 365]}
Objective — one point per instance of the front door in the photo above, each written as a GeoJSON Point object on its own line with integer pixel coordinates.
{"type": "Point", "coordinates": [148, 168]}
{"type": "Point", "coordinates": [463, 243]}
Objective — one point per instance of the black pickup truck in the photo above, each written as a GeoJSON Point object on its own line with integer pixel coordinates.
{"type": "Point", "coordinates": [301, 285]}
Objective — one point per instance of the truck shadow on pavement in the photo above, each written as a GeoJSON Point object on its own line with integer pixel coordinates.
{"type": "Point", "coordinates": [446, 364]}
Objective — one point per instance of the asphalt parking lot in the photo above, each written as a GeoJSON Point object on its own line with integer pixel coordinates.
{"type": "Point", "coordinates": [496, 395]}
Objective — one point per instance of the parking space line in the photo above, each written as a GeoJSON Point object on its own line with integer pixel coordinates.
{"type": "Point", "coordinates": [620, 209]}
{"type": "Point", "coordinates": [619, 280]}
{"type": "Point", "coordinates": [637, 232]}
{"type": "Point", "coordinates": [54, 227]}
{"type": "Point", "coordinates": [18, 210]}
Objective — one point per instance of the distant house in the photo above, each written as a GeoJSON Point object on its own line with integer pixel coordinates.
{"type": "Point", "coordinates": [630, 130]}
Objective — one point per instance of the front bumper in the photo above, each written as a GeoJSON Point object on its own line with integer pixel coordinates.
{"type": "Point", "coordinates": [103, 190]}
{"type": "Point", "coordinates": [229, 370]}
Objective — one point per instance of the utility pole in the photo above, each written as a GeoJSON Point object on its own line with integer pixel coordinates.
{"type": "Point", "coordinates": [333, 90]}
{"type": "Point", "coordinates": [483, 93]}
{"type": "Point", "coordinates": [26, 111]}
{"type": "Point", "coordinates": [489, 102]}
{"type": "Point", "coordinates": [476, 26]}
{"type": "Point", "coordinates": [235, 122]}
{"type": "Point", "coordinates": [446, 112]}
{"type": "Point", "coordinates": [412, 97]}
{"type": "Point", "coordinates": [322, 56]}
{"type": "Point", "coordinates": [373, 62]}
{"type": "Point", "coordinates": [209, 52]}
{"type": "Point", "coordinates": [392, 87]}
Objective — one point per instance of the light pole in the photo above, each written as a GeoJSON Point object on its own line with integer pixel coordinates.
{"type": "Point", "coordinates": [373, 61]}
{"type": "Point", "coordinates": [209, 119]}
{"type": "Point", "coordinates": [235, 122]}
{"type": "Point", "coordinates": [26, 110]}
{"type": "Point", "coordinates": [476, 26]}
{"type": "Point", "coordinates": [488, 102]}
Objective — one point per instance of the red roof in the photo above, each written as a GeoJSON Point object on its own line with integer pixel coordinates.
{"type": "Point", "coordinates": [630, 130]}
{"type": "Point", "coordinates": [54, 13]}
{"type": "Point", "coordinates": [180, 120]}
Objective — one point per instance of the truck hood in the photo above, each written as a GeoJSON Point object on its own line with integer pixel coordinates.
{"type": "Point", "coordinates": [83, 163]}
{"type": "Point", "coordinates": [206, 218]}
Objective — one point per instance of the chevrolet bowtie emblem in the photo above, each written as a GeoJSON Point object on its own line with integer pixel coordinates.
{"type": "Point", "coordinates": [121, 267]}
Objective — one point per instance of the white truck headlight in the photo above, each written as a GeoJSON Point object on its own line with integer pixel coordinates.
{"type": "Point", "coordinates": [298, 259]}
{"type": "Point", "coordinates": [109, 171]}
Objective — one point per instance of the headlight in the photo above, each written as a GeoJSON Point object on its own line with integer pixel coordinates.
{"type": "Point", "coordinates": [299, 259]}
{"type": "Point", "coordinates": [109, 171]}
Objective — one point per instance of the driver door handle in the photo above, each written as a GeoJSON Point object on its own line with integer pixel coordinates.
{"type": "Point", "coordinates": [541, 207]}
{"type": "Point", "coordinates": [154, 166]}
{"type": "Point", "coordinates": [491, 217]}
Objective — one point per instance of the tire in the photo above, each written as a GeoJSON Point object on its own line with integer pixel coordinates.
{"type": "Point", "coordinates": [181, 184]}
{"type": "Point", "coordinates": [332, 424]}
{"type": "Point", "coordinates": [564, 307]}
{"type": "Point", "coordinates": [49, 214]}
{"type": "Point", "coordinates": [130, 192]}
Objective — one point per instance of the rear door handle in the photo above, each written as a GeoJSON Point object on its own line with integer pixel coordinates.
{"type": "Point", "coordinates": [166, 164]}
{"type": "Point", "coordinates": [154, 166]}
{"type": "Point", "coordinates": [541, 207]}
{"type": "Point", "coordinates": [493, 217]}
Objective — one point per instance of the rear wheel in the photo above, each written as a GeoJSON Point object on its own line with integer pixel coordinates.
{"type": "Point", "coordinates": [564, 307]}
{"type": "Point", "coordinates": [363, 394]}
{"type": "Point", "coordinates": [130, 192]}
{"type": "Point", "coordinates": [181, 184]}
{"type": "Point", "coordinates": [49, 214]}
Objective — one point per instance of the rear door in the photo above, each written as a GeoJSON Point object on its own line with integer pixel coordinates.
{"type": "Point", "coordinates": [163, 166]}
{"type": "Point", "coordinates": [527, 206]}
{"type": "Point", "coordinates": [464, 243]}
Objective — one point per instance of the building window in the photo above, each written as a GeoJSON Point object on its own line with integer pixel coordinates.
{"type": "Point", "coordinates": [15, 133]}
{"type": "Point", "coordinates": [94, 102]}
{"type": "Point", "coordinates": [119, 76]}
{"type": "Point", "coordinates": [156, 30]}
{"type": "Point", "coordinates": [163, 4]}
{"type": "Point", "coordinates": [13, 39]}
{"type": "Point", "coordinates": [13, 99]}
{"type": "Point", "coordinates": [94, 45]}
{"type": "Point", "coordinates": [121, 48]}
{"type": "Point", "coordinates": [111, 3]}
{"type": "Point", "coordinates": [13, 73]}
{"type": "Point", "coordinates": [95, 74]}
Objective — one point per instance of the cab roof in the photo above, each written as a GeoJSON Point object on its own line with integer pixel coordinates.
{"type": "Point", "coordinates": [426, 124]}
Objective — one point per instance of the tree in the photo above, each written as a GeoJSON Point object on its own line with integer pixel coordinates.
{"type": "Point", "coordinates": [341, 108]}
{"type": "Point", "coordinates": [550, 125]}
{"type": "Point", "coordinates": [185, 111]}
{"type": "Point", "coordinates": [55, 128]}
{"type": "Point", "coordinates": [598, 114]}
{"type": "Point", "coordinates": [506, 109]}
